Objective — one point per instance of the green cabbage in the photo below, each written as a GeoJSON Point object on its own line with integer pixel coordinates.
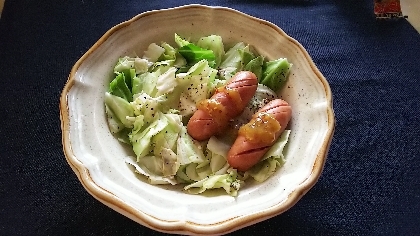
{"type": "Point", "coordinates": [153, 52]}
{"type": "Point", "coordinates": [166, 82]}
{"type": "Point", "coordinates": [149, 107]}
{"type": "Point", "coordinates": [193, 54]}
{"type": "Point", "coordinates": [194, 84]}
{"type": "Point", "coordinates": [188, 149]}
{"type": "Point", "coordinates": [229, 182]}
{"type": "Point", "coordinates": [151, 176]}
{"type": "Point", "coordinates": [180, 41]}
{"type": "Point", "coordinates": [118, 109]}
{"type": "Point", "coordinates": [130, 67]}
{"type": "Point", "coordinates": [217, 152]}
{"type": "Point", "coordinates": [142, 139]}
{"type": "Point", "coordinates": [169, 52]}
{"type": "Point", "coordinates": [233, 56]}
{"type": "Point", "coordinates": [215, 44]}
{"type": "Point", "coordinates": [255, 66]}
{"type": "Point", "coordinates": [275, 73]}
{"type": "Point", "coordinates": [119, 87]}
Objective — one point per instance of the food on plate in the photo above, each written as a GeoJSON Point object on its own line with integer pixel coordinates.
{"type": "Point", "coordinates": [157, 104]}
{"type": "Point", "coordinates": [213, 114]}
{"type": "Point", "coordinates": [259, 134]}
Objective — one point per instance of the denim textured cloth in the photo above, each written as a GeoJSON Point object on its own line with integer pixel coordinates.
{"type": "Point", "coordinates": [370, 184]}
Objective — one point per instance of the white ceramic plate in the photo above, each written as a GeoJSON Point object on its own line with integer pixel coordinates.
{"type": "Point", "coordinates": [97, 157]}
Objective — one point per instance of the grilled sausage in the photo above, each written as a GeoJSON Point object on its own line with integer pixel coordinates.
{"type": "Point", "coordinates": [256, 137]}
{"type": "Point", "coordinates": [213, 115]}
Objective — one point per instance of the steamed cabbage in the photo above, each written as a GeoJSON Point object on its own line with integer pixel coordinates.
{"type": "Point", "coordinates": [151, 98]}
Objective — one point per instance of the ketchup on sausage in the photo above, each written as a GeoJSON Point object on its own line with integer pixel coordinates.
{"type": "Point", "coordinates": [256, 137]}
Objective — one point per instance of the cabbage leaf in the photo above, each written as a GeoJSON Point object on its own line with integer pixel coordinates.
{"type": "Point", "coordinates": [229, 182]}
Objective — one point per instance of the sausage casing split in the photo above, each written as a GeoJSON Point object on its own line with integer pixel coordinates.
{"type": "Point", "coordinates": [212, 115]}
{"type": "Point", "coordinates": [245, 152]}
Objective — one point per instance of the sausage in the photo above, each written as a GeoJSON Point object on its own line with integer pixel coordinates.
{"type": "Point", "coordinates": [256, 137]}
{"type": "Point", "coordinates": [213, 115]}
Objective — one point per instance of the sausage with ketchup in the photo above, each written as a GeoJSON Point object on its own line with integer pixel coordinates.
{"type": "Point", "coordinates": [256, 137]}
{"type": "Point", "coordinates": [213, 115]}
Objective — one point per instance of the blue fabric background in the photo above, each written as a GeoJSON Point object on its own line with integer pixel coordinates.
{"type": "Point", "coordinates": [371, 181]}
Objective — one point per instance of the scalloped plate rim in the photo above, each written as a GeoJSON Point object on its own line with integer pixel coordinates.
{"type": "Point", "coordinates": [183, 227]}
